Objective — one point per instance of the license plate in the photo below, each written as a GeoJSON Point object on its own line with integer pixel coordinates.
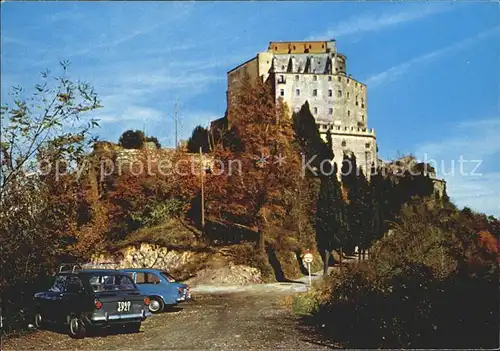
{"type": "Point", "coordinates": [123, 306]}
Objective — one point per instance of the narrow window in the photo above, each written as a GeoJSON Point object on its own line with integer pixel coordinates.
{"type": "Point", "coordinates": [297, 92]}
{"type": "Point", "coordinates": [339, 93]}
{"type": "Point", "coordinates": [367, 145]}
{"type": "Point", "coordinates": [315, 92]}
{"type": "Point", "coordinates": [356, 100]}
{"type": "Point", "coordinates": [283, 67]}
{"type": "Point", "coordinates": [330, 111]}
{"type": "Point", "coordinates": [315, 78]}
{"type": "Point", "coordinates": [348, 80]}
{"type": "Point", "coordinates": [348, 113]}
{"type": "Point", "coordinates": [152, 279]}
{"type": "Point", "coordinates": [339, 78]}
{"type": "Point", "coordinates": [140, 278]}
{"type": "Point", "coordinates": [344, 143]}
{"type": "Point", "coordinates": [315, 110]}
{"type": "Point", "coordinates": [297, 77]}
{"type": "Point", "coordinates": [362, 103]}
{"type": "Point", "coordinates": [348, 95]}
{"type": "Point", "coordinates": [282, 92]}
{"type": "Point", "coordinates": [330, 92]}
{"type": "Point", "coordinates": [363, 118]}
{"type": "Point", "coordinates": [329, 78]}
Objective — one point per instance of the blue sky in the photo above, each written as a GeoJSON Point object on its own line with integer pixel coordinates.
{"type": "Point", "coordinates": [432, 69]}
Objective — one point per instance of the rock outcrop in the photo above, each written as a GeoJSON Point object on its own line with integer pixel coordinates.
{"type": "Point", "coordinates": [199, 266]}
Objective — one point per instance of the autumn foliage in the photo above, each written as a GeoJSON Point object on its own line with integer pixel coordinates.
{"type": "Point", "coordinates": [260, 192]}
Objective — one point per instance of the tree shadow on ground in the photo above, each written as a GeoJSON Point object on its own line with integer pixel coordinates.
{"type": "Point", "coordinates": [276, 265]}
{"type": "Point", "coordinates": [302, 268]}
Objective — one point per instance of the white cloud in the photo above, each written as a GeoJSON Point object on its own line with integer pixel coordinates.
{"type": "Point", "coordinates": [7, 39]}
{"type": "Point", "coordinates": [397, 71]}
{"type": "Point", "coordinates": [70, 16]}
{"type": "Point", "coordinates": [468, 161]}
{"type": "Point", "coordinates": [375, 22]}
{"type": "Point", "coordinates": [130, 113]}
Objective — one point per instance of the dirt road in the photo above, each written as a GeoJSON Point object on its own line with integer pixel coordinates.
{"type": "Point", "coordinates": [247, 318]}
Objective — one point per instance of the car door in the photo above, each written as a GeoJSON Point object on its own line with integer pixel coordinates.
{"type": "Point", "coordinates": [74, 299]}
{"type": "Point", "coordinates": [169, 291]}
{"type": "Point", "coordinates": [50, 303]}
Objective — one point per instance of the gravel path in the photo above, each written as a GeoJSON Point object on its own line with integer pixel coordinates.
{"type": "Point", "coordinates": [250, 317]}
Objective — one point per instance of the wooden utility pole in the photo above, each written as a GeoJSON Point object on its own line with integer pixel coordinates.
{"type": "Point", "coordinates": [202, 192]}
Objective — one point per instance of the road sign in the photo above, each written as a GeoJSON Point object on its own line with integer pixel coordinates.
{"type": "Point", "coordinates": [308, 258]}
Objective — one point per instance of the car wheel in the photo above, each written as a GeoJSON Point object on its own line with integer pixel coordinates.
{"type": "Point", "coordinates": [38, 321]}
{"type": "Point", "coordinates": [156, 305]}
{"type": "Point", "coordinates": [77, 329]}
{"type": "Point", "coordinates": [133, 327]}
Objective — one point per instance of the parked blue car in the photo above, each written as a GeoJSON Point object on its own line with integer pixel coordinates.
{"type": "Point", "coordinates": [161, 288]}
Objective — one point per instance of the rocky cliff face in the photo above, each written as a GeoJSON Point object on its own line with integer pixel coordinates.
{"type": "Point", "coordinates": [199, 266]}
{"type": "Point", "coordinates": [148, 256]}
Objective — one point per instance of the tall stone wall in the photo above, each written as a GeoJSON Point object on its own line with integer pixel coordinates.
{"type": "Point", "coordinates": [359, 142]}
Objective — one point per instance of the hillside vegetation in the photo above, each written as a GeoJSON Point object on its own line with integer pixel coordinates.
{"type": "Point", "coordinates": [431, 283]}
{"type": "Point", "coordinates": [263, 214]}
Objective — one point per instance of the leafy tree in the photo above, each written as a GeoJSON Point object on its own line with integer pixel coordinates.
{"type": "Point", "coordinates": [260, 197]}
{"type": "Point", "coordinates": [331, 219]}
{"type": "Point", "coordinates": [30, 123]}
{"type": "Point", "coordinates": [139, 199]}
{"type": "Point", "coordinates": [199, 138]}
{"type": "Point", "coordinates": [132, 139]}
{"type": "Point", "coordinates": [44, 139]}
{"type": "Point", "coordinates": [380, 188]}
{"type": "Point", "coordinates": [152, 139]}
{"type": "Point", "coordinates": [331, 216]}
{"type": "Point", "coordinates": [307, 134]}
{"type": "Point", "coordinates": [353, 195]}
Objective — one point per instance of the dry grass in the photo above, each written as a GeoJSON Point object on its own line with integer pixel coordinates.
{"type": "Point", "coordinates": [174, 233]}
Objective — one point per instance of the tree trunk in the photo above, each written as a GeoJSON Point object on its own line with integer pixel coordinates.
{"type": "Point", "coordinates": [325, 263]}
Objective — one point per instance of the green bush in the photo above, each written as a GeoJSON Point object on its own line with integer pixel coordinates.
{"type": "Point", "coordinates": [306, 304]}
{"type": "Point", "coordinates": [132, 139]}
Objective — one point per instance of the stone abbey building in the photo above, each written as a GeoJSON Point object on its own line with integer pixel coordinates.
{"type": "Point", "coordinates": [314, 71]}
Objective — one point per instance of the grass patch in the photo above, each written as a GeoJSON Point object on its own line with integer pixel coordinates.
{"type": "Point", "coordinates": [309, 303]}
{"type": "Point", "coordinates": [172, 234]}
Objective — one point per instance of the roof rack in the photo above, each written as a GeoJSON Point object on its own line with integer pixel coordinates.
{"type": "Point", "coordinates": [69, 267]}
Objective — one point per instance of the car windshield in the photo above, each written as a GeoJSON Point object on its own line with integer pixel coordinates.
{"type": "Point", "coordinates": [168, 277]}
{"type": "Point", "coordinates": [111, 283]}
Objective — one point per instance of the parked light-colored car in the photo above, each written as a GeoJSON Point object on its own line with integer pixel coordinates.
{"type": "Point", "coordinates": [161, 288]}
